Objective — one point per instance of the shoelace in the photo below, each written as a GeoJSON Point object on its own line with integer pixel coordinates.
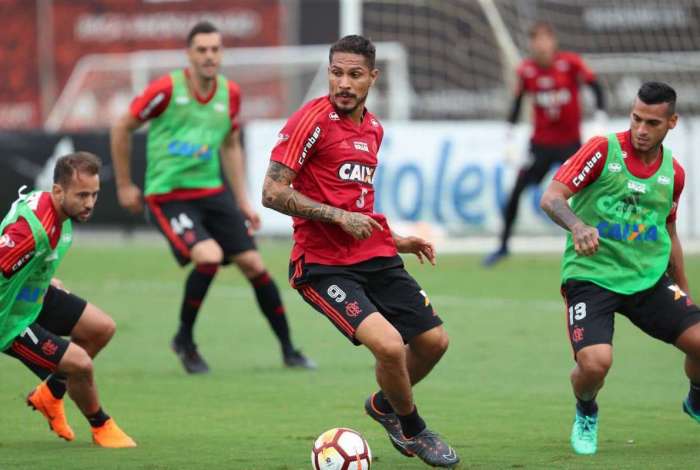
{"type": "Point", "coordinates": [586, 427]}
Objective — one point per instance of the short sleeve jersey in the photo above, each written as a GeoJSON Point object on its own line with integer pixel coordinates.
{"type": "Point", "coordinates": [155, 98]}
{"type": "Point", "coordinates": [555, 92]}
{"type": "Point", "coordinates": [586, 165]}
{"type": "Point", "coordinates": [17, 241]}
{"type": "Point", "coordinates": [335, 160]}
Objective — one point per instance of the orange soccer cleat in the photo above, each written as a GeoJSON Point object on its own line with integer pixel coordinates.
{"type": "Point", "coordinates": [51, 407]}
{"type": "Point", "coordinates": [110, 435]}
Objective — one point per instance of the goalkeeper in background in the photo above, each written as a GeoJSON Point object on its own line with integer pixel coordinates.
{"type": "Point", "coordinates": [553, 77]}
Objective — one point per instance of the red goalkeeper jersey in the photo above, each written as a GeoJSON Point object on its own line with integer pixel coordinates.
{"type": "Point", "coordinates": [335, 160]}
{"type": "Point", "coordinates": [555, 93]}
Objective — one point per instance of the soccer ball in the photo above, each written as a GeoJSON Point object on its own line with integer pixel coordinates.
{"type": "Point", "coordinates": [341, 449]}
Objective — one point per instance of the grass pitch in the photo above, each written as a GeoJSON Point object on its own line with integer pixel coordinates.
{"type": "Point", "coordinates": [500, 396]}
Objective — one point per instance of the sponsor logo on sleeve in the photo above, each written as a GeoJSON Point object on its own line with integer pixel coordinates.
{"type": "Point", "coordinates": [310, 142]}
{"type": "Point", "coordinates": [374, 122]}
{"type": "Point", "coordinates": [581, 177]}
{"type": "Point", "coordinates": [21, 262]}
{"type": "Point", "coordinates": [155, 101]}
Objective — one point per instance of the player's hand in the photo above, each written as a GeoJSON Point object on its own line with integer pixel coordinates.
{"type": "Point", "coordinates": [56, 282]}
{"type": "Point", "coordinates": [252, 217]}
{"type": "Point", "coordinates": [130, 198]}
{"type": "Point", "coordinates": [360, 226]}
{"type": "Point", "coordinates": [417, 246]}
{"type": "Point", "coordinates": [585, 239]}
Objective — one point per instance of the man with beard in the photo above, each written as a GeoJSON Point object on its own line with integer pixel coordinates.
{"type": "Point", "coordinates": [344, 262]}
{"type": "Point", "coordinates": [194, 129]}
{"type": "Point", "coordinates": [36, 312]}
{"type": "Point", "coordinates": [623, 253]}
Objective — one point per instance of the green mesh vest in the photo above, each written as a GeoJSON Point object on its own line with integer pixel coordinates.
{"type": "Point", "coordinates": [630, 215]}
{"type": "Point", "coordinates": [22, 295]}
{"type": "Point", "coordinates": [182, 149]}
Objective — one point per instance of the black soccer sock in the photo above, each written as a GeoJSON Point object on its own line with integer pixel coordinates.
{"type": "Point", "coordinates": [57, 385]}
{"type": "Point", "coordinates": [98, 419]}
{"type": "Point", "coordinates": [380, 403]}
{"type": "Point", "coordinates": [510, 212]}
{"type": "Point", "coordinates": [587, 408]}
{"type": "Point", "coordinates": [270, 304]}
{"type": "Point", "coordinates": [196, 288]}
{"type": "Point", "coordinates": [411, 424]}
{"type": "Point", "coordinates": [694, 396]}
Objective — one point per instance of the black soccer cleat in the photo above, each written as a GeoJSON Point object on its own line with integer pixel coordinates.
{"type": "Point", "coordinates": [431, 449]}
{"type": "Point", "coordinates": [297, 360]}
{"type": "Point", "coordinates": [391, 424]}
{"type": "Point", "coordinates": [189, 357]}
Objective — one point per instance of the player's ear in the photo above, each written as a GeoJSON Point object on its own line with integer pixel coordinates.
{"type": "Point", "coordinates": [672, 121]}
{"type": "Point", "coordinates": [374, 74]}
{"type": "Point", "coordinates": [58, 192]}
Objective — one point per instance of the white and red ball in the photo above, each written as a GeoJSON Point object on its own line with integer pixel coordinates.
{"type": "Point", "coordinates": [341, 449]}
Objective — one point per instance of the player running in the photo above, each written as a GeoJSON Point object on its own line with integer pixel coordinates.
{"type": "Point", "coordinates": [35, 310]}
{"type": "Point", "coordinates": [553, 77]}
{"type": "Point", "coordinates": [622, 252]}
{"type": "Point", "coordinates": [193, 116]}
{"type": "Point", "coordinates": [344, 262]}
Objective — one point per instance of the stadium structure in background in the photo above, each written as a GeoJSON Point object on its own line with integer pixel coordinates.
{"type": "Point", "coordinates": [458, 55]}
{"type": "Point", "coordinates": [443, 96]}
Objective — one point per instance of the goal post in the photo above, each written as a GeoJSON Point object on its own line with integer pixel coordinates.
{"type": "Point", "coordinates": [274, 82]}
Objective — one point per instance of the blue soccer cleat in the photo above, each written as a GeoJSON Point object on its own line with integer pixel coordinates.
{"type": "Point", "coordinates": [689, 410]}
{"type": "Point", "coordinates": [584, 434]}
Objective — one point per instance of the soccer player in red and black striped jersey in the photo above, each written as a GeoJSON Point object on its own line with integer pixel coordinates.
{"type": "Point", "coordinates": [193, 115]}
{"type": "Point", "coordinates": [344, 262]}
{"type": "Point", "coordinates": [553, 78]}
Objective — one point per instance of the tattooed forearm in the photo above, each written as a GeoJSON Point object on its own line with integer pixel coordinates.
{"type": "Point", "coordinates": [559, 211]}
{"type": "Point", "coordinates": [278, 195]}
{"type": "Point", "coordinates": [292, 202]}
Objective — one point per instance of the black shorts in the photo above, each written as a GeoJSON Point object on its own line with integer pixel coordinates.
{"type": "Point", "coordinates": [346, 295]}
{"type": "Point", "coordinates": [41, 346]}
{"type": "Point", "coordinates": [185, 223]}
{"type": "Point", "coordinates": [662, 311]}
{"type": "Point", "coordinates": [543, 158]}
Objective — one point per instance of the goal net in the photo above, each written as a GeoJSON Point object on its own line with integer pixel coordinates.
{"type": "Point", "coordinates": [274, 82]}
{"type": "Point", "coordinates": [463, 52]}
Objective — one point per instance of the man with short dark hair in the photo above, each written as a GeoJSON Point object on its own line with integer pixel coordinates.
{"type": "Point", "coordinates": [194, 127]}
{"type": "Point", "coordinates": [623, 253]}
{"type": "Point", "coordinates": [553, 78]}
{"type": "Point", "coordinates": [344, 262]}
{"type": "Point", "coordinates": [36, 312]}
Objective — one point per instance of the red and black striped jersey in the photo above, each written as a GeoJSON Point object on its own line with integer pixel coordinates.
{"type": "Point", "coordinates": [335, 160]}
{"type": "Point", "coordinates": [17, 242]}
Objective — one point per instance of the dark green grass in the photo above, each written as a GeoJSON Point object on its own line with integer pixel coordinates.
{"type": "Point", "coordinates": [500, 396]}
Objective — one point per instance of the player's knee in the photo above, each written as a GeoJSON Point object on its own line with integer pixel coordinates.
{"type": "Point", "coordinates": [106, 331]}
{"type": "Point", "coordinates": [441, 343]}
{"type": "Point", "coordinates": [79, 363]}
{"type": "Point", "coordinates": [207, 252]}
{"type": "Point", "coordinates": [391, 350]}
{"type": "Point", "coordinates": [594, 365]}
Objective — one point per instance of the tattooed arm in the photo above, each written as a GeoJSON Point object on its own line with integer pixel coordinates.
{"type": "Point", "coordinates": [280, 196]}
{"type": "Point", "coordinates": [554, 203]}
